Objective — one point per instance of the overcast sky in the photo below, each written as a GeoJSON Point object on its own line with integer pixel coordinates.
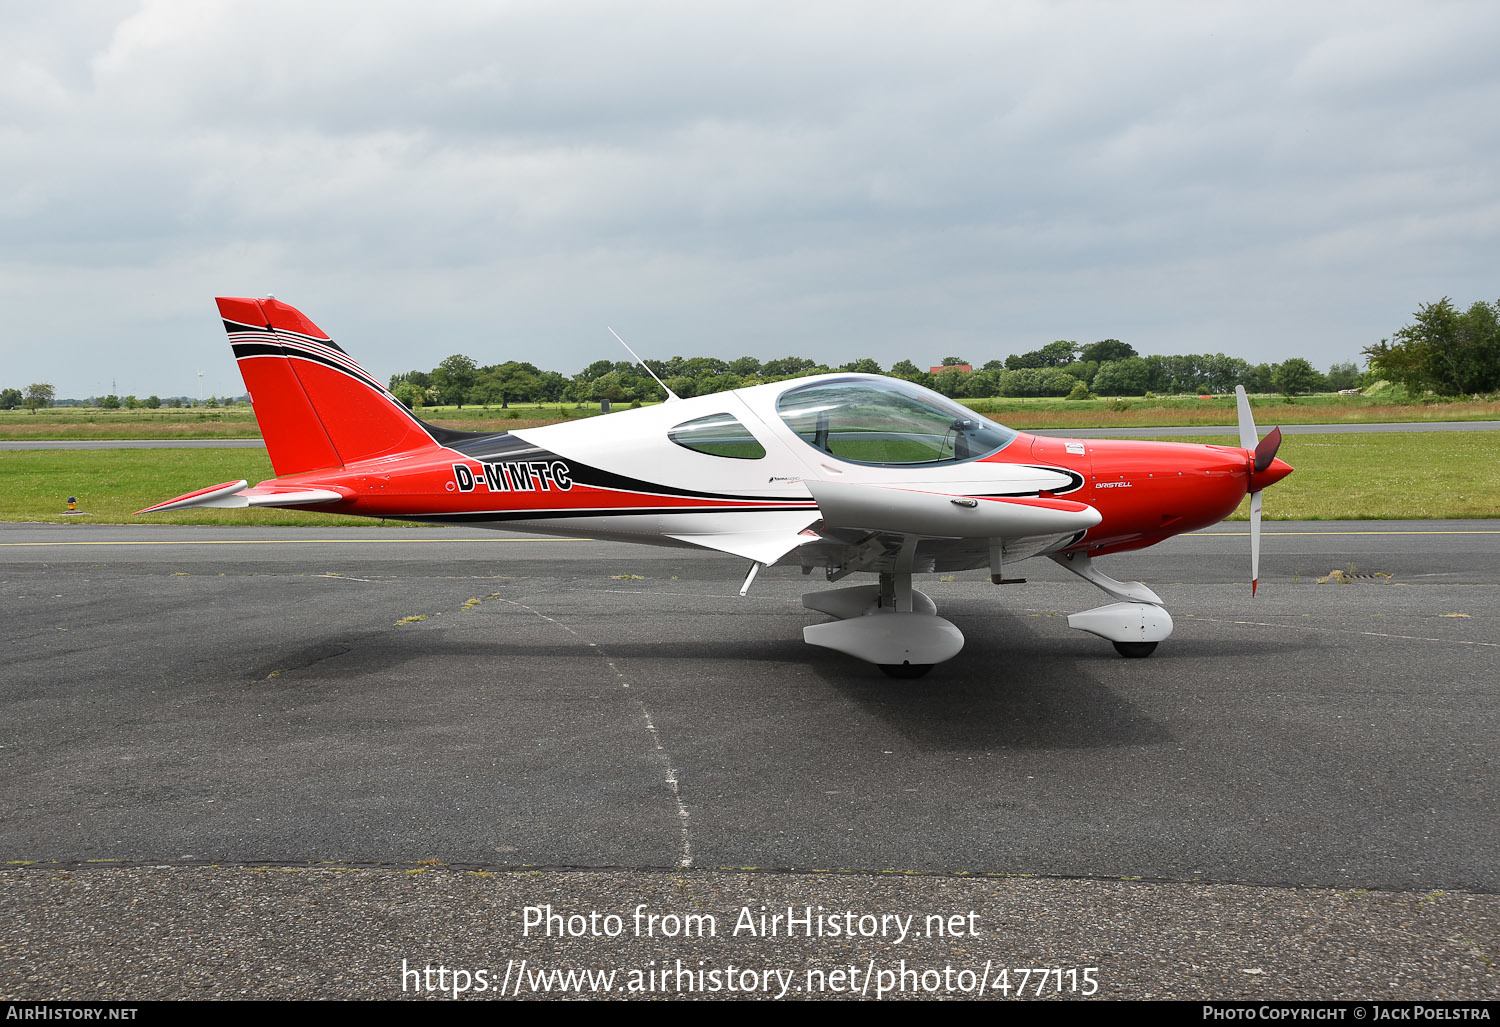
{"type": "Point", "coordinates": [835, 180]}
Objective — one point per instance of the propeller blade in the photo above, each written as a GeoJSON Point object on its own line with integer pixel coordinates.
{"type": "Point", "coordinates": [1247, 422]}
{"type": "Point", "coordinates": [1254, 542]}
{"type": "Point", "coordinates": [1265, 450]}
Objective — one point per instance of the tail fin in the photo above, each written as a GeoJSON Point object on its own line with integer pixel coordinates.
{"type": "Point", "coordinates": [317, 408]}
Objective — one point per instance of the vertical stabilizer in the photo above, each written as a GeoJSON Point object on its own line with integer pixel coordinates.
{"type": "Point", "coordinates": [316, 406]}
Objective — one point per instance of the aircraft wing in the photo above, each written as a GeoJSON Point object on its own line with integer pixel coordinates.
{"type": "Point", "coordinates": [783, 532]}
{"type": "Point", "coordinates": [943, 515]}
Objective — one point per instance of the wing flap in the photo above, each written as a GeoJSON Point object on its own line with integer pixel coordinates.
{"type": "Point", "coordinates": [766, 546]}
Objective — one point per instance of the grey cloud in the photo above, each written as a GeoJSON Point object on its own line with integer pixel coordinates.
{"type": "Point", "coordinates": [843, 179]}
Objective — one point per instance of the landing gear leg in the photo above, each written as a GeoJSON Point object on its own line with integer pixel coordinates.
{"type": "Point", "coordinates": [889, 624]}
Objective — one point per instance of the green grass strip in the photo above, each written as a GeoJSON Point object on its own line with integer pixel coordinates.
{"type": "Point", "coordinates": [1379, 475]}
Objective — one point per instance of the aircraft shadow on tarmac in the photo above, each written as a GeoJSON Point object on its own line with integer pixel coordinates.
{"type": "Point", "coordinates": [1009, 688]}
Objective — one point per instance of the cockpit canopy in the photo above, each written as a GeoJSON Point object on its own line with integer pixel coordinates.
{"type": "Point", "coordinates": [888, 422]}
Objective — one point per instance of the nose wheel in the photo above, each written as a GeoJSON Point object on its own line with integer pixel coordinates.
{"type": "Point", "coordinates": [1135, 650]}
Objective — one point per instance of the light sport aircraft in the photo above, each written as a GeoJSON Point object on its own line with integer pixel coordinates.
{"type": "Point", "coordinates": [847, 473]}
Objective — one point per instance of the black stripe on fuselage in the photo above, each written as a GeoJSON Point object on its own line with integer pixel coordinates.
{"type": "Point", "coordinates": [507, 448]}
{"type": "Point", "coordinates": [585, 514]}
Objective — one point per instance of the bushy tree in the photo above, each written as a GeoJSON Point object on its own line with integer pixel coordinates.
{"type": "Point", "coordinates": [1055, 354]}
{"type": "Point", "coordinates": [407, 393]}
{"type": "Point", "coordinates": [983, 384]}
{"type": "Point", "coordinates": [550, 386]}
{"type": "Point", "coordinates": [512, 380]}
{"type": "Point", "coordinates": [951, 381]}
{"type": "Point", "coordinates": [1037, 381]}
{"type": "Point", "coordinates": [10, 399]}
{"type": "Point", "coordinates": [787, 367]}
{"type": "Point", "coordinates": [110, 402]}
{"type": "Point", "coordinates": [611, 386]}
{"type": "Point", "coordinates": [419, 379]}
{"type": "Point", "coordinates": [910, 372]}
{"type": "Point", "coordinates": [454, 377]}
{"type": "Point", "coordinates": [1443, 349]}
{"type": "Point", "coordinates": [1296, 376]}
{"type": "Point", "coordinates": [1196, 373]}
{"type": "Point", "coordinates": [1107, 349]}
{"type": "Point", "coordinates": [1128, 377]}
{"type": "Point", "coordinates": [682, 385]}
{"type": "Point", "coordinates": [38, 395]}
{"type": "Point", "coordinates": [721, 383]}
{"type": "Point", "coordinates": [1083, 370]}
{"type": "Point", "coordinates": [1343, 376]}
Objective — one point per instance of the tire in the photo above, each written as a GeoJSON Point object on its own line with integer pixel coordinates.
{"type": "Point", "coordinates": [1135, 650]}
{"type": "Point", "coordinates": [904, 671]}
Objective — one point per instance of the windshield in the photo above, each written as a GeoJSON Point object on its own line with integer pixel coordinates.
{"type": "Point", "coordinates": [888, 422]}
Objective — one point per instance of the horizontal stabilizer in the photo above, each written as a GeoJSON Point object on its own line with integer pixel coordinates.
{"type": "Point", "coordinates": [213, 496]}
{"type": "Point", "coordinates": [942, 515]}
{"type": "Point", "coordinates": [234, 495]}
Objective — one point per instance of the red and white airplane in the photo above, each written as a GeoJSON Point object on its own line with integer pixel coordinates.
{"type": "Point", "coordinates": [847, 473]}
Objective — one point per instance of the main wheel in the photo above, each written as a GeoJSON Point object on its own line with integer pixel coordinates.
{"type": "Point", "coordinates": [1135, 650]}
{"type": "Point", "coordinates": [905, 671]}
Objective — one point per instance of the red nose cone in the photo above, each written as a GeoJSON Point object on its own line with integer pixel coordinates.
{"type": "Point", "coordinates": [1270, 476]}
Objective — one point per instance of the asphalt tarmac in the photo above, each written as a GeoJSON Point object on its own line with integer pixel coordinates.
{"type": "Point", "coordinates": [425, 699]}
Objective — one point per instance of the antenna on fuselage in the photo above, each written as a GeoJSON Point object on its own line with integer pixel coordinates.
{"type": "Point", "coordinates": [670, 394]}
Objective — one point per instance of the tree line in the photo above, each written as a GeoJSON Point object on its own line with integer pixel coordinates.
{"type": "Point", "coordinates": [36, 396]}
{"type": "Point", "coordinates": [40, 395]}
{"type": "Point", "coordinates": [1063, 368]}
{"type": "Point", "coordinates": [1444, 350]}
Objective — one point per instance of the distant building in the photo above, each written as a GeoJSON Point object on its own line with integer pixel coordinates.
{"type": "Point", "coordinates": [950, 367]}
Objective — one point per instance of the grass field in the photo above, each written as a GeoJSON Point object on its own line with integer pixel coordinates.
{"type": "Point", "coordinates": [1382, 475]}
{"type": "Point", "coordinates": [1356, 476]}
{"type": "Point", "coordinates": [111, 484]}
{"type": "Point", "coordinates": [238, 422]}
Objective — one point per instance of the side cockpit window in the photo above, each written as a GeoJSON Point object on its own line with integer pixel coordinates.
{"type": "Point", "coordinates": [717, 435]}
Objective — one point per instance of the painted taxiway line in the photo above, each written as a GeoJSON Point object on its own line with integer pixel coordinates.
{"type": "Point", "coordinates": [289, 541]}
